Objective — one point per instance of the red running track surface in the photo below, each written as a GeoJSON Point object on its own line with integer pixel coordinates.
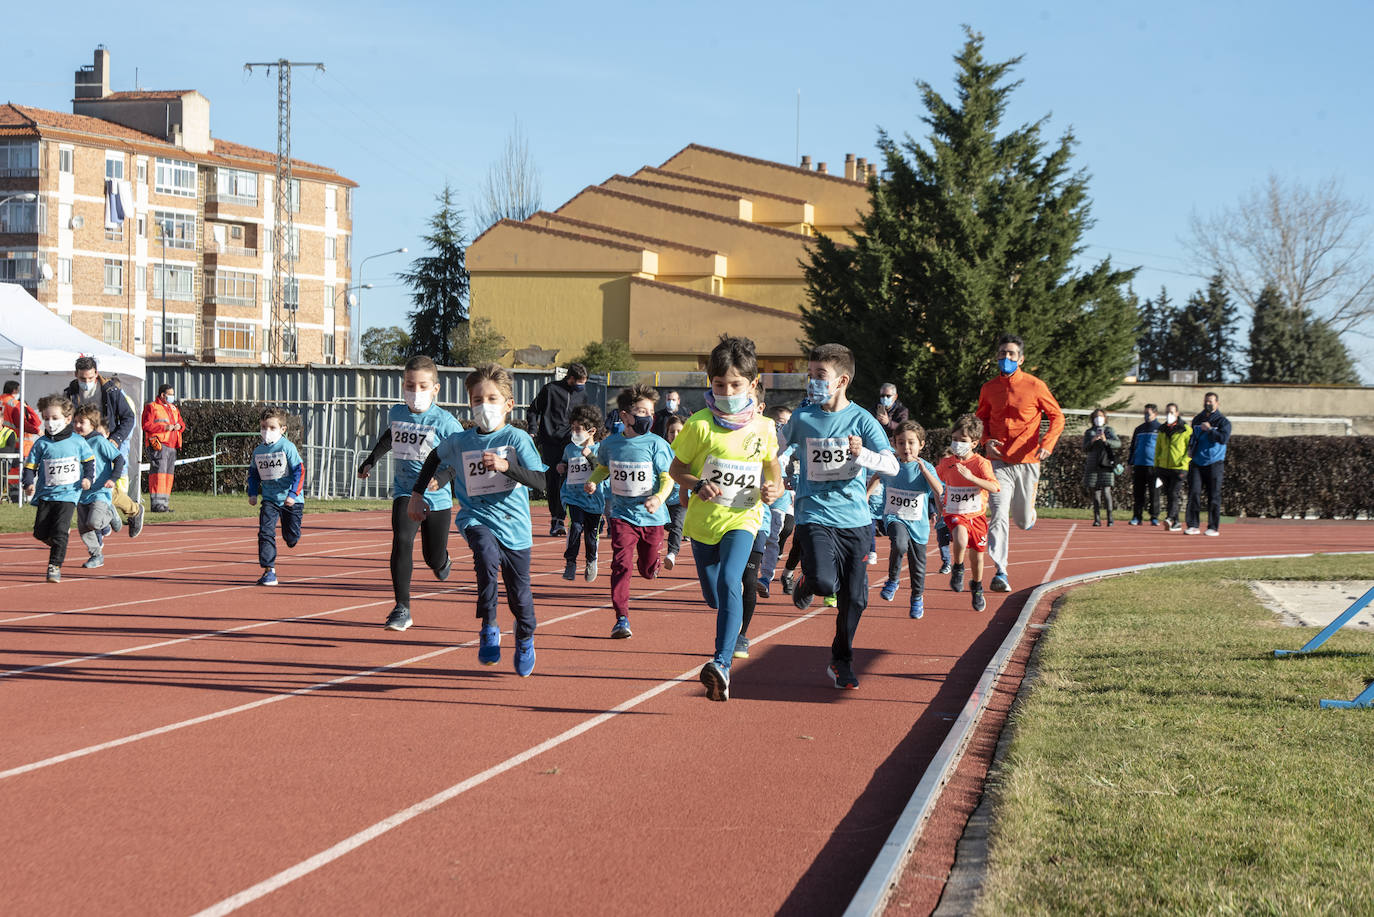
{"type": "Point", "coordinates": [178, 740]}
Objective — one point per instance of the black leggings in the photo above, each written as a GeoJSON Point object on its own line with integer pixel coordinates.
{"type": "Point", "coordinates": [751, 591]}
{"type": "Point", "coordinates": [52, 522]}
{"type": "Point", "coordinates": [433, 531]}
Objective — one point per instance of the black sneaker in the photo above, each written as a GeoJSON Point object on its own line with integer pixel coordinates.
{"type": "Point", "coordinates": [761, 589]}
{"type": "Point", "coordinates": [979, 603]}
{"type": "Point", "coordinates": [557, 530]}
{"type": "Point", "coordinates": [842, 674]}
{"type": "Point", "coordinates": [136, 523]}
{"type": "Point", "coordinates": [789, 582]}
{"type": "Point", "coordinates": [801, 594]}
{"type": "Point", "coordinates": [716, 680]}
{"type": "Point", "coordinates": [442, 573]}
{"type": "Point", "coordinates": [399, 619]}
{"type": "Point", "coordinates": [945, 568]}
{"type": "Point", "coordinates": [956, 579]}
{"type": "Point", "coordinates": [570, 570]}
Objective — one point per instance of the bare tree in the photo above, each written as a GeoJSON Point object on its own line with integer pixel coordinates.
{"type": "Point", "coordinates": [511, 190]}
{"type": "Point", "coordinates": [1312, 244]}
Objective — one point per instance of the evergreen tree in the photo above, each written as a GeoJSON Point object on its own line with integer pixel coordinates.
{"type": "Point", "coordinates": [1156, 318]}
{"type": "Point", "coordinates": [476, 342]}
{"type": "Point", "coordinates": [1290, 346]}
{"type": "Point", "coordinates": [973, 235]}
{"type": "Point", "coordinates": [388, 346]}
{"type": "Point", "coordinates": [1204, 335]}
{"type": "Point", "coordinates": [439, 284]}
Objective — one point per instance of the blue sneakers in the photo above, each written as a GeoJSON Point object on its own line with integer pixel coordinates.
{"type": "Point", "coordinates": [999, 583]}
{"type": "Point", "coordinates": [621, 631]}
{"type": "Point", "coordinates": [741, 647]}
{"type": "Point", "coordinates": [716, 680]}
{"type": "Point", "coordinates": [489, 652]}
{"type": "Point", "coordinates": [889, 590]}
{"type": "Point", "coordinates": [524, 657]}
{"type": "Point", "coordinates": [95, 560]}
{"type": "Point", "coordinates": [918, 607]}
{"type": "Point", "coordinates": [268, 578]}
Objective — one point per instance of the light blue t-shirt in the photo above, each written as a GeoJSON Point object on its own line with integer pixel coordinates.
{"type": "Point", "coordinates": [490, 498]}
{"type": "Point", "coordinates": [277, 472]}
{"type": "Point", "coordinates": [59, 465]}
{"type": "Point", "coordinates": [635, 464]}
{"type": "Point", "coordinates": [413, 437]}
{"type": "Point", "coordinates": [105, 454]}
{"type": "Point", "coordinates": [906, 499]}
{"type": "Point", "coordinates": [579, 469]}
{"type": "Point", "coordinates": [830, 483]}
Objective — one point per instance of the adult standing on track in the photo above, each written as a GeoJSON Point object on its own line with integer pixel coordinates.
{"type": "Point", "coordinates": [89, 387]}
{"type": "Point", "coordinates": [162, 431]}
{"type": "Point", "coordinates": [1011, 408]}
{"type": "Point", "coordinates": [890, 412]}
{"type": "Point", "coordinates": [550, 416]}
{"type": "Point", "coordinates": [1171, 462]}
{"type": "Point", "coordinates": [1143, 477]}
{"type": "Point", "coordinates": [1207, 446]}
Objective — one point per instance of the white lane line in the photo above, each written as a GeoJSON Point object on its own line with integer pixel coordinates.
{"type": "Point", "coordinates": [1054, 564]}
{"type": "Point", "coordinates": [371, 833]}
{"type": "Point", "coordinates": [298, 692]}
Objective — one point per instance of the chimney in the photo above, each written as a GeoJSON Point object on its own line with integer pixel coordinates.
{"type": "Point", "coordinates": [862, 169]}
{"type": "Point", "coordinates": [806, 162]}
{"type": "Point", "coordinates": [93, 82]}
{"type": "Point", "coordinates": [849, 166]}
{"type": "Point", "coordinates": [820, 167]}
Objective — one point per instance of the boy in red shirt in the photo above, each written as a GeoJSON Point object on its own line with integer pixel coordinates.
{"type": "Point", "coordinates": [968, 478]}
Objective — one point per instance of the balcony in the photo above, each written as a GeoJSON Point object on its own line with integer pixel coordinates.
{"type": "Point", "coordinates": [238, 200]}
{"type": "Point", "coordinates": [19, 173]}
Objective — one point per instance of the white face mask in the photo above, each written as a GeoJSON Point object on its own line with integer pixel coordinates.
{"type": "Point", "coordinates": [170, 398]}
{"type": "Point", "coordinates": [88, 388]}
{"type": "Point", "coordinates": [672, 404]}
{"type": "Point", "coordinates": [270, 436]}
{"type": "Point", "coordinates": [580, 439]}
{"type": "Point", "coordinates": [960, 447]}
{"type": "Point", "coordinates": [1099, 421]}
{"type": "Point", "coordinates": [1171, 418]}
{"type": "Point", "coordinates": [488, 416]}
{"type": "Point", "coordinates": [55, 425]}
{"type": "Point", "coordinates": [418, 402]}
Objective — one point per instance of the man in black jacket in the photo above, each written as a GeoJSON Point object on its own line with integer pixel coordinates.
{"type": "Point", "coordinates": [672, 407]}
{"type": "Point", "coordinates": [549, 417]}
{"type": "Point", "coordinates": [89, 387]}
{"type": "Point", "coordinates": [890, 412]}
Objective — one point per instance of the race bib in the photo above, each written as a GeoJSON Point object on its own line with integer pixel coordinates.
{"type": "Point", "coordinates": [579, 470]}
{"type": "Point", "coordinates": [738, 481]}
{"type": "Point", "coordinates": [482, 480]}
{"type": "Point", "coordinates": [411, 442]}
{"type": "Point", "coordinates": [61, 472]}
{"type": "Point", "coordinates": [905, 504]}
{"type": "Point", "coordinates": [828, 459]}
{"type": "Point", "coordinates": [271, 465]}
{"type": "Point", "coordinates": [632, 479]}
{"type": "Point", "coordinates": [963, 501]}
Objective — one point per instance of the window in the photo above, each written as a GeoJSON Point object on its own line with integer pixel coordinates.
{"type": "Point", "coordinates": [175, 177]}
{"type": "Point", "coordinates": [114, 276]}
{"type": "Point", "coordinates": [64, 270]}
{"type": "Point", "coordinates": [348, 201]}
{"type": "Point", "coordinates": [142, 228]}
{"type": "Point", "coordinates": [331, 248]}
{"type": "Point", "coordinates": [288, 345]}
{"type": "Point", "coordinates": [22, 216]}
{"type": "Point", "coordinates": [142, 276]}
{"type": "Point", "coordinates": [331, 199]}
{"type": "Point", "coordinates": [114, 233]}
{"type": "Point", "coordinates": [143, 171]}
{"type": "Point", "coordinates": [180, 336]}
{"type": "Point", "coordinates": [235, 288]}
{"type": "Point", "coordinates": [293, 247]}
{"type": "Point", "coordinates": [114, 166]}
{"type": "Point", "coordinates": [329, 294]}
{"type": "Point", "coordinates": [18, 159]}
{"type": "Point", "coordinates": [295, 195]}
{"type": "Point", "coordinates": [236, 186]}
{"type": "Point", "coordinates": [328, 347]}
{"type": "Point", "coordinates": [19, 267]}
{"type": "Point", "coordinates": [183, 228]}
{"type": "Point", "coordinates": [179, 282]}
{"type": "Point", "coordinates": [236, 232]}
{"type": "Point", "coordinates": [112, 328]}
{"type": "Point", "coordinates": [236, 338]}
{"type": "Point", "coordinates": [291, 297]}
{"type": "Point", "coordinates": [64, 161]}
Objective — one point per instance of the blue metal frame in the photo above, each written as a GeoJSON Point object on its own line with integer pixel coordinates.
{"type": "Point", "coordinates": [1366, 697]}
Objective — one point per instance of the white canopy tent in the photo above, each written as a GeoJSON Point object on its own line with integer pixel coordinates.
{"type": "Point", "coordinates": [40, 349]}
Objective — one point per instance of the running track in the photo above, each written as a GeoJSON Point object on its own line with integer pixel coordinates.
{"type": "Point", "coordinates": [179, 741]}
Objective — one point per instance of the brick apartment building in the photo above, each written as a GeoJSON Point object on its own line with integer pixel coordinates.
{"type": "Point", "coordinates": [154, 150]}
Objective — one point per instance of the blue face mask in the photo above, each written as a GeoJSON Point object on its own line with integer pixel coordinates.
{"type": "Point", "coordinates": [733, 404]}
{"type": "Point", "coordinates": [887, 401]}
{"type": "Point", "coordinates": [818, 390]}
{"type": "Point", "coordinates": [579, 386]}
{"type": "Point", "coordinates": [1007, 365]}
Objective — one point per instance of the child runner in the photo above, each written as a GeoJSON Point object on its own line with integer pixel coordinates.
{"type": "Point", "coordinates": [907, 496]}
{"type": "Point", "coordinates": [636, 461]}
{"type": "Point", "coordinates": [95, 513]}
{"type": "Point", "coordinates": [278, 473]}
{"type": "Point", "coordinates": [413, 430]}
{"type": "Point", "coordinates": [781, 522]}
{"type": "Point", "coordinates": [584, 510]}
{"type": "Point", "coordinates": [58, 468]}
{"type": "Point", "coordinates": [497, 464]}
{"type": "Point", "coordinates": [837, 441]}
{"type": "Point", "coordinates": [676, 508]}
{"type": "Point", "coordinates": [727, 459]}
{"type": "Point", "coordinates": [967, 479]}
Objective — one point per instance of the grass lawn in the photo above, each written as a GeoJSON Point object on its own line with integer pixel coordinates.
{"type": "Point", "coordinates": [1165, 762]}
{"type": "Point", "coordinates": [190, 506]}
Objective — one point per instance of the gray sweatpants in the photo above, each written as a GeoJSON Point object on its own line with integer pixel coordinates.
{"type": "Point", "coordinates": [1016, 500]}
{"type": "Point", "coordinates": [92, 519]}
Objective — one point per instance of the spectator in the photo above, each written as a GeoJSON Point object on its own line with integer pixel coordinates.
{"type": "Point", "coordinates": [89, 387]}
{"type": "Point", "coordinates": [162, 431]}
{"type": "Point", "coordinates": [1011, 408]}
{"type": "Point", "coordinates": [1207, 448]}
{"type": "Point", "coordinates": [1171, 463]}
{"type": "Point", "coordinates": [11, 412]}
{"type": "Point", "coordinates": [1099, 464]}
{"type": "Point", "coordinates": [890, 412]}
{"type": "Point", "coordinates": [1143, 477]}
{"type": "Point", "coordinates": [672, 407]}
{"type": "Point", "coordinates": [550, 417]}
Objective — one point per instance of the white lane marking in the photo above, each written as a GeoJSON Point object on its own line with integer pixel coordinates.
{"type": "Point", "coordinates": [349, 844]}
{"type": "Point", "coordinates": [1054, 564]}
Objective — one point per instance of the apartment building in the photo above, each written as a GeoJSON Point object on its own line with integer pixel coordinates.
{"type": "Point", "coordinates": [130, 196]}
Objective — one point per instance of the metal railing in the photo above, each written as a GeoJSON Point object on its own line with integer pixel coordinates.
{"type": "Point", "coordinates": [217, 467]}
{"type": "Point", "coordinates": [243, 200]}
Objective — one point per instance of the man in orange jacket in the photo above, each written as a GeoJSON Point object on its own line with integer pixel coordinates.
{"type": "Point", "coordinates": [11, 412]}
{"type": "Point", "coordinates": [1011, 407]}
{"type": "Point", "coordinates": [162, 429]}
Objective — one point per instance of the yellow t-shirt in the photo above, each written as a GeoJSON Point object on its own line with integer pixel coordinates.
{"type": "Point", "coordinates": [732, 460]}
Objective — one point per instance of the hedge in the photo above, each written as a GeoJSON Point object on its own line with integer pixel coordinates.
{"type": "Point", "coordinates": [206, 418]}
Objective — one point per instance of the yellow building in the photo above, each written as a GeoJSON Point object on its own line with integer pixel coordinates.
{"type": "Point", "coordinates": [667, 259]}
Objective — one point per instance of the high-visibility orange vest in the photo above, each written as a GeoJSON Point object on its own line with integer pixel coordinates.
{"type": "Point", "coordinates": [158, 418]}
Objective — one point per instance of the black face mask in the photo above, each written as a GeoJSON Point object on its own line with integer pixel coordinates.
{"type": "Point", "coordinates": [641, 425]}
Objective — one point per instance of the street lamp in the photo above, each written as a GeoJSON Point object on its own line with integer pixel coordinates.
{"type": "Point", "coordinates": [357, 356]}
{"type": "Point", "coordinates": [349, 303]}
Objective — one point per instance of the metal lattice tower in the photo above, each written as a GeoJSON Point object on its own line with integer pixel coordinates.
{"type": "Point", "coordinates": [283, 341]}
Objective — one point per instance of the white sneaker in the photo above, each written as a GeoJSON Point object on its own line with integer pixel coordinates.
{"type": "Point", "coordinates": [872, 558]}
{"type": "Point", "coordinates": [1214, 533]}
{"type": "Point", "coordinates": [1191, 531]}
{"type": "Point", "coordinates": [669, 561]}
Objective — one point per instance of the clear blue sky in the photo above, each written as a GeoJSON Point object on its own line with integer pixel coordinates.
{"type": "Point", "coordinates": [1176, 106]}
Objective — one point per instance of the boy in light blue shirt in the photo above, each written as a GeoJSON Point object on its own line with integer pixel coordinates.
{"type": "Point", "coordinates": [58, 469]}
{"type": "Point", "coordinates": [584, 510]}
{"type": "Point", "coordinates": [907, 497]}
{"type": "Point", "coordinates": [95, 512]}
{"type": "Point", "coordinates": [277, 474]}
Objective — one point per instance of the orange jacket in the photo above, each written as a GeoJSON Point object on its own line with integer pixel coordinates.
{"type": "Point", "coordinates": [158, 419]}
{"type": "Point", "coordinates": [1010, 408]}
